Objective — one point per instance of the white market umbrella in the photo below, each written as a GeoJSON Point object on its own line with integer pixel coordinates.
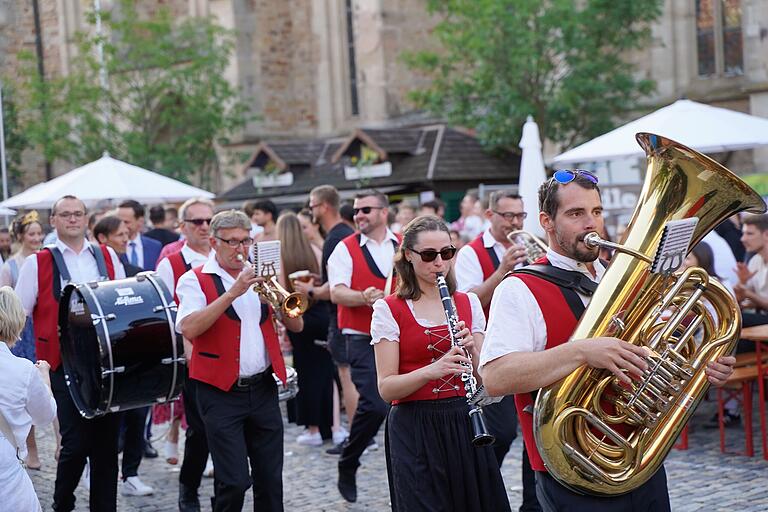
{"type": "Point", "coordinates": [7, 211]}
{"type": "Point", "coordinates": [532, 175]}
{"type": "Point", "coordinates": [107, 179]}
{"type": "Point", "coordinates": [701, 127]}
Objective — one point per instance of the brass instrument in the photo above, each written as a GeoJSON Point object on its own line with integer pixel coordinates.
{"type": "Point", "coordinates": [534, 246]}
{"type": "Point", "coordinates": [578, 437]}
{"type": "Point", "coordinates": [292, 305]}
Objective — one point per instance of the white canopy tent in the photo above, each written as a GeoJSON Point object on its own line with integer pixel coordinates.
{"type": "Point", "coordinates": [532, 175]}
{"type": "Point", "coordinates": [107, 179]}
{"type": "Point", "coordinates": [7, 211]}
{"type": "Point", "coordinates": [701, 127]}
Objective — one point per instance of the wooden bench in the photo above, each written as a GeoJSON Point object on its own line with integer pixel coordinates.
{"type": "Point", "coordinates": [738, 387]}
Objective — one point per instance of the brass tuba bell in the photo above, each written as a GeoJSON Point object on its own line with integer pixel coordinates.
{"type": "Point", "coordinates": [595, 436]}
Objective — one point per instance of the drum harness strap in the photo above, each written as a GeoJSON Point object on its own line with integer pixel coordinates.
{"type": "Point", "coordinates": [570, 282]}
{"type": "Point", "coordinates": [60, 267]}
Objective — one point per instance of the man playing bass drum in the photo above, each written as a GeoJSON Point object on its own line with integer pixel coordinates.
{"type": "Point", "coordinates": [530, 321]}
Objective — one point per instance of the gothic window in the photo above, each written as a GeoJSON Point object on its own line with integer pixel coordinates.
{"type": "Point", "coordinates": [354, 101]}
{"type": "Point", "coordinates": [719, 41]}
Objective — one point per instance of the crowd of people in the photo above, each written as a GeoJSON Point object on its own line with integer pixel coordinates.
{"type": "Point", "coordinates": [372, 348]}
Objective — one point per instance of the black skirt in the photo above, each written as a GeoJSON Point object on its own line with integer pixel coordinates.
{"type": "Point", "coordinates": [432, 464]}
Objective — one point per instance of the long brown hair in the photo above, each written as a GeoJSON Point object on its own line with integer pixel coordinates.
{"type": "Point", "coordinates": [295, 249]}
{"type": "Point", "coordinates": [407, 283]}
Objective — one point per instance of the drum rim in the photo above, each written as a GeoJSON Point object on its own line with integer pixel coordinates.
{"type": "Point", "coordinates": [107, 342]}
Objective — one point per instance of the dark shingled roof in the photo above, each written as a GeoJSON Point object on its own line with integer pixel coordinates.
{"type": "Point", "coordinates": [424, 156]}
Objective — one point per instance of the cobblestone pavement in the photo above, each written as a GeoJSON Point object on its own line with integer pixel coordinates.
{"type": "Point", "coordinates": [700, 478]}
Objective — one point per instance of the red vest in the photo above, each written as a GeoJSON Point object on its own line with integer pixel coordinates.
{"type": "Point", "coordinates": [486, 263]}
{"type": "Point", "coordinates": [179, 267]}
{"type": "Point", "coordinates": [418, 347]}
{"type": "Point", "coordinates": [45, 316]}
{"type": "Point", "coordinates": [560, 322]}
{"type": "Point", "coordinates": [216, 352]}
{"type": "Point", "coordinates": [363, 277]}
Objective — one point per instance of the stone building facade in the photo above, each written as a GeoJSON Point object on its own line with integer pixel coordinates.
{"type": "Point", "coordinates": [320, 68]}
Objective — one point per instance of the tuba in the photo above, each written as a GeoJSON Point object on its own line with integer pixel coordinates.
{"type": "Point", "coordinates": [534, 246]}
{"type": "Point", "coordinates": [595, 436]}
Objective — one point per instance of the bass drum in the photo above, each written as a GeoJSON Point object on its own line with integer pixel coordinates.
{"type": "Point", "coordinates": [119, 346]}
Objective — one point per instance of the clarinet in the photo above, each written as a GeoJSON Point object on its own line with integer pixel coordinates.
{"type": "Point", "coordinates": [481, 436]}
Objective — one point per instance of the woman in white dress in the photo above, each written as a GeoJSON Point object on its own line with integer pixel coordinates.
{"type": "Point", "coordinates": [25, 399]}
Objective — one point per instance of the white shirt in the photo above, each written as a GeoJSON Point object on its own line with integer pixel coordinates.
{"type": "Point", "coordinates": [516, 323]}
{"type": "Point", "coordinates": [25, 400]}
{"type": "Point", "coordinates": [6, 276]}
{"type": "Point", "coordinates": [192, 257]}
{"type": "Point", "coordinates": [253, 355]}
{"type": "Point", "coordinates": [725, 261]}
{"type": "Point", "coordinates": [758, 283]}
{"type": "Point", "coordinates": [81, 266]}
{"type": "Point", "coordinates": [469, 273]}
{"type": "Point", "coordinates": [139, 247]}
{"type": "Point", "coordinates": [384, 326]}
{"type": "Point", "coordinates": [340, 265]}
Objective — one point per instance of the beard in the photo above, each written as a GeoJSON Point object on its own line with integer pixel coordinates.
{"type": "Point", "coordinates": [575, 248]}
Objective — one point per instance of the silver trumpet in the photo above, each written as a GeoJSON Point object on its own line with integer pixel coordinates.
{"type": "Point", "coordinates": [534, 246]}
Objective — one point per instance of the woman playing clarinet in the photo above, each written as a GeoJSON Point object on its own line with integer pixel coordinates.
{"type": "Point", "coordinates": [431, 461]}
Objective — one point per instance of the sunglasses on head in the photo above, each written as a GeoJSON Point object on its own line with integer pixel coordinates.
{"type": "Point", "coordinates": [367, 209]}
{"type": "Point", "coordinates": [564, 176]}
{"type": "Point", "coordinates": [427, 255]}
{"type": "Point", "coordinates": [199, 222]}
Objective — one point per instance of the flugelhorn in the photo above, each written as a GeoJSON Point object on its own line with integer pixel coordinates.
{"type": "Point", "coordinates": [534, 246]}
{"type": "Point", "coordinates": [595, 435]}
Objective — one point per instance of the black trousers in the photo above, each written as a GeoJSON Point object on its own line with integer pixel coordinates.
{"type": "Point", "coordinates": [371, 409]}
{"type": "Point", "coordinates": [501, 419]}
{"type": "Point", "coordinates": [134, 423]}
{"type": "Point", "coordinates": [652, 496]}
{"type": "Point", "coordinates": [95, 439]}
{"type": "Point", "coordinates": [195, 443]}
{"type": "Point", "coordinates": [244, 425]}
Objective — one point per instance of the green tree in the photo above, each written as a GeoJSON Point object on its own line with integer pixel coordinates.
{"type": "Point", "coordinates": [167, 104]}
{"type": "Point", "coordinates": [15, 139]}
{"type": "Point", "coordinates": [562, 61]}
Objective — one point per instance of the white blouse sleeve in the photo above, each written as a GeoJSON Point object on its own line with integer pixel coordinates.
{"type": "Point", "coordinates": [41, 406]}
{"type": "Point", "coordinates": [383, 324]}
{"type": "Point", "coordinates": [478, 315]}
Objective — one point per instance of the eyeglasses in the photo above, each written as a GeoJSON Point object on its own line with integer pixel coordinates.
{"type": "Point", "coordinates": [564, 176]}
{"type": "Point", "coordinates": [245, 242]}
{"type": "Point", "coordinates": [199, 222]}
{"type": "Point", "coordinates": [68, 215]}
{"type": "Point", "coordinates": [427, 255]}
{"type": "Point", "coordinates": [510, 216]}
{"type": "Point", "coordinates": [313, 206]}
{"type": "Point", "coordinates": [366, 209]}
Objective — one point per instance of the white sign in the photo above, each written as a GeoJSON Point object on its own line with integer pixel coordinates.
{"type": "Point", "coordinates": [368, 171]}
{"type": "Point", "coordinates": [262, 179]}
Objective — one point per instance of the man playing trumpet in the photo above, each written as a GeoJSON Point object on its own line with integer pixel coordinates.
{"type": "Point", "coordinates": [235, 351]}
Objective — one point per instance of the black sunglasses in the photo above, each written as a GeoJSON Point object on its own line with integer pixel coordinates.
{"type": "Point", "coordinates": [199, 222]}
{"type": "Point", "coordinates": [367, 209]}
{"type": "Point", "coordinates": [427, 255]}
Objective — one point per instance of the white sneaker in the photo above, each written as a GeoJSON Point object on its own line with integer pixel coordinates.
{"type": "Point", "coordinates": [132, 486]}
{"type": "Point", "coordinates": [208, 471]}
{"type": "Point", "coordinates": [372, 447]}
{"type": "Point", "coordinates": [309, 439]}
{"type": "Point", "coordinates": [340, 435]}
{"type": "Point", "coordinates": [171, 452]}
{"type": "Point", "coordinates": [85, 478]}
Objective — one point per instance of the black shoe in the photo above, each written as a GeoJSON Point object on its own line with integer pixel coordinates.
{"type": "Point", "coordinates": [347, 486]}
{"type": "Point", "coordinates": [149, 451]}
{"type": "Point", "coordinates": [729, 421]}
{"type": "Point", "coordinates": [337, 449]}
{"type": "Point", "coordinates": [188, 500]}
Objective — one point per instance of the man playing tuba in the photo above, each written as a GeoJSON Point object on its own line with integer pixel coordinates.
{"type": "Point", "coordinates": [543, 316]}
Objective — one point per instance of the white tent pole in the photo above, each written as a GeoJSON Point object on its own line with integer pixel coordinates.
{"type": "Point", "coordinates": [2, 150]}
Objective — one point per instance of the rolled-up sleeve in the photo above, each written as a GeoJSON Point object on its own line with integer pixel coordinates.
{"type": "Point", "coordinates": [340, 267]}
{"type": "Point", "coordinates": [515, 322]}
{"type": "Point", "coordinates": [191, 297]}
{"type": "Point", "coordinates": [469, 274]}
{"type": "Point", "coordinates": [478, 315]}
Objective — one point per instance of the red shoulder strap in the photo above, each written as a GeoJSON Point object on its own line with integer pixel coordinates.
{"type": "Point", "coordinates": [108, 261]}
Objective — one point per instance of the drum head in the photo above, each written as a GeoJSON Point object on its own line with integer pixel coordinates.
{"type": "Point", "coordinates": [118, 345]}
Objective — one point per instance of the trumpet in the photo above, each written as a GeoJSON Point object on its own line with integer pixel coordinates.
{"type": "Point", "coordinates": [291, 305]}
{"type": "Point", "coordinates": [534, 246]}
